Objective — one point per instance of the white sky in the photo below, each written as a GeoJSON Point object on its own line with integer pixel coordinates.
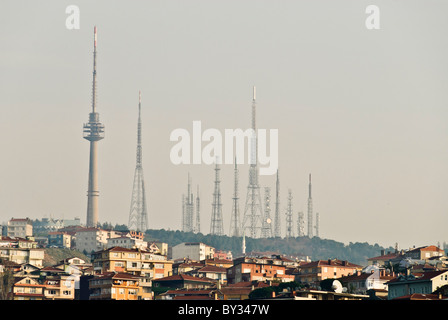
{"type": "Point", "coordinates": [364, 111]}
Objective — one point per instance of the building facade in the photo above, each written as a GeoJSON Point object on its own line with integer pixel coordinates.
{"type": "Point", "coordinates": [20, 228]}
{"type": "Point", "coordinates": [314, 272]}
{"type": "Point", "coordinates": [196, 251]}
{"type": "Point", "coordinates": [247, 269]}
{"type": "Point", "coordinates": [409, 284]}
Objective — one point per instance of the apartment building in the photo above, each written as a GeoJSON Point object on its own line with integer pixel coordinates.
{"type": "Point", "coordinates": [28, 288]}
{"type": "Point", "coordinates": [134, 261]}
{"type": "Point", "coordinates": [260, 269]}
{"type": "Point", "coordinates": [130, 240]}
{"type": "Point", "coordinates": [409, 284]}
{"type": "Point", "coordinates": [93, 239]}
{"type": "Point", "coordinates": [424, 253]}
{"type": "Point", "coordinates": [59, 239]}
{"type": "Point", "coordinates": [48, 288]}
{"type": "Point", "coordinates": [20, 228]}
{"type": "Point", "coordinates": [196, 251]}
{"type": "Point", "coordinates": [117, 286]}
{"type": "Point", "coordinates": [315, 271]}
{"type": "Point", "coordinates": [362, 282]}
{"type": "Point", "coordinates": [60, 287]}
{"type": "Point", "coordinates": [21, 251]}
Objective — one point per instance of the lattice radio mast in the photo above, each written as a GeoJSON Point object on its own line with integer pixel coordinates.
{"type": "Point", "coordinates": [138, 215]}
{"type": "Point", "coordinates": [216, 226]}
{"type": "Point", "coordinates": [253, 212]}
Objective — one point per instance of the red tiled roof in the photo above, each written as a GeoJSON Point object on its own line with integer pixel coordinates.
{"type": "Point", "coordinates": [334, 262]}
{"type": "Point", "coordinates": [193, 298]}
{"type": "Point", "coordinates": [247, 284]}
{"type": "Point", "coordinates": [213, 269]}
{"type": "Point", "coordinates": [186, 291]}
{"type": "Point", "coordinates": [52, 269]}
{"type": "Point", "coordinates": [184, 277]}
{"type": "Point", "coordinates": [419, 296]}
{"type": "Point", "coordinates": [427, 248]}
{"type": "Point", "coordinates": [385, 257]}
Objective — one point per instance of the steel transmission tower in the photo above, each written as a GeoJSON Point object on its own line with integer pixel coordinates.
{"type": "Point", "coordinates": [310, 211]}
{"type": "Point", "coordinates": [277, 228]}
{"type": "Point", "coordinates": [197, 228]}
{"type": "Point", "coordinates": [289, 230]}
{"type": "Point", "coordinates": [301, 225]}
{"type": "Point", "coordinates": [138, 215]}
{"type": "Point", "coordinates": [188, 209]}
{"type": "Point", "coordinates": [216, 226]}
{"type": "Point", "coordinates": [235, 217]}
{"type": "Point", "coordinates": [93, 131]}
{"type": "Point", "coordinates": [317, 224]}
{"type": "Point", "coordinates": [253, 212]}
{"type": "Point", "coordinates": [266, 230]}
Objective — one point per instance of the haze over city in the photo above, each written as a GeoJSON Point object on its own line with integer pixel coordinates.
{"type": "Point", "coordinates": [364, 111]}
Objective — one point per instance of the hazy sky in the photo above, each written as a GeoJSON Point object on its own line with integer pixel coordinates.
{"type": "Point", "coordinates": [364, 111]}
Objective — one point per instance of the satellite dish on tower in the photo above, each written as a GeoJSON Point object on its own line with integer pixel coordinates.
{"type": "Point", "coordinates": [337, 286]}
{"type": "Point", "coordinates": [268, 220]}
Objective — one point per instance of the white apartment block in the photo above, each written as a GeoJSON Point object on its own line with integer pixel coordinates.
{"type": "Point", "coordinates": [196, 251]}
{"type": "Point", "coordinates": [93, 239]}
{"type": "Point", "coordinates": [20, 228]}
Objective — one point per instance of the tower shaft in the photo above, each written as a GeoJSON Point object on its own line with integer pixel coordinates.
{"type": "Point", "coordinates": [289, 228]}
{"type": "Point", "coordinates": [301, 225]}
{"type": "Point", "coordinates": [266, 230]}
{"type": "Point", "coordinates": [198, 214]}
{"type": "Point", "coordinates": [187, 219]}
{"type": "Point", "coordinates": [277, 230]}
{"type": "Point", "coordinates": [235, 217]}
{"type": "Point", "coordinates": [138, 216]}
{"type": "Point", "coordinates": [310, 210]}
{"type": "Point", "coordinates": [253, 214]}
{"type": "Point", "coordinates": [93, 131]}
{"type": "Point", "coordinates": [216, 226]}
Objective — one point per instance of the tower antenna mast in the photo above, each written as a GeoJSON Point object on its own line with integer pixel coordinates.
{"type": "Point", "coordinates": [93, 131]}
{"type": "Point", "coordinates": [138, 215]}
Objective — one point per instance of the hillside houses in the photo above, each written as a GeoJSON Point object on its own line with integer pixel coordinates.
{"type": "Point", "coordinates": [121, 265]}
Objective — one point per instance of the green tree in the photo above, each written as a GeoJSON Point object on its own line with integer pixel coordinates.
{"type": "Point", "coordinates": [6, 283]}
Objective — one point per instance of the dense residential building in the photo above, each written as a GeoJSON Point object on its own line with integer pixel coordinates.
{"type": "Point", "coordinates": [259, 269]}
{"type": "Point", "coordinates": [196, 251]}
{"type": "Point", "coordinates": [93, 239]}
{"type": "Point", "coordinates": [191, 294]}
{"type": "Point", "coordinates": [184, 281]}
{"type": "Point", "coordinates": [186, 266]}
{"type": "Point", "coordinates": [28, 288]}
{"type": "Point", "coordinates": [133, 261]}
{"type": "Point", "coordinates": [213, 272]}
{"type": "Point", "coordinates": [326, 295]}
{"type": "Point", "coordinates": [383, 259]}
{"type": "Point", "coordinates": [117, 286]}
{"type": "Point", "coordinates": [48, 288]}
{"type": "Point", "coordinates": [408, 284]}
{"type": "Point", "coordinates": [219, 262]}
{"type": "Point", "coordinates": [21, 251]}
{"type": "Point", "coordinates": [20, 228]}
{"type": "Point", "coordinates": [314, 272]}
{"type": "Point", "coordinates": [59, 239]}
{"type": "Point", "coordinates": [424, 253]}
{"type": "Point", "coordinates": [362, 282]}
{"type": "Point", "coordinates": [240, 290]}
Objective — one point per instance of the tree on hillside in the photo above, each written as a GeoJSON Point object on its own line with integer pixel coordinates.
{"type": "Point", "coordinates": [6, 283]}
